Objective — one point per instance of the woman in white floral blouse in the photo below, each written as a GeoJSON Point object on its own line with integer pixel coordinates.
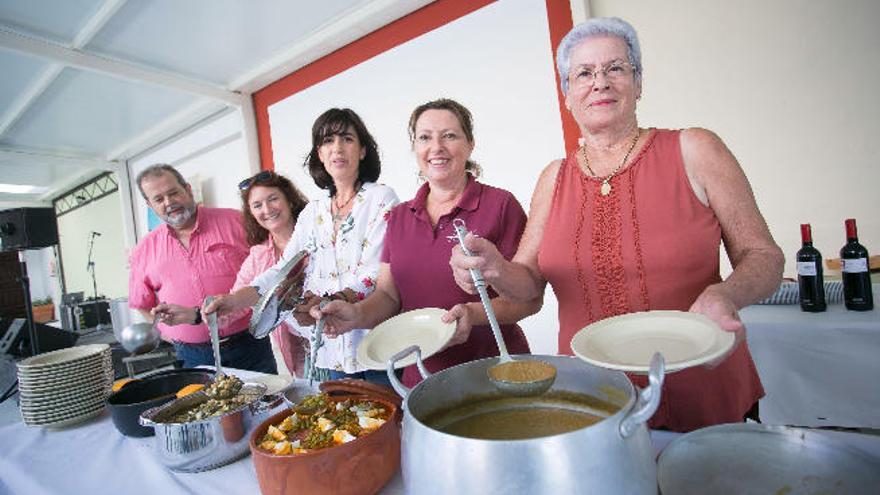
{"type": "Point", "coordinates": [343, 232]}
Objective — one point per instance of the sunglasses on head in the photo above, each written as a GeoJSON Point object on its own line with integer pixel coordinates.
{"type": "Point", "coordinates": [261, 176]}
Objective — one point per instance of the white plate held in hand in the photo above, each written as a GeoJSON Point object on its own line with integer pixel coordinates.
{"type": "Point", "coordinates": [627, 342]}
{"type": "Point", "coordinates": [421, 327]}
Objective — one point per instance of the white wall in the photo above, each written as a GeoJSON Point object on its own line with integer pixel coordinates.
{"type": "Point", "coordinates": [213, 157]}
{"type": "Point", "coordinates": [791, 87]}
{"type": "Point", "coordinates": [42, 280]}
{"type": "Point", "coordinates": [38, 266]}
{"type": "Point", "coordinates": [506, 81]}
{"type": "Point", "coordinates": [109, 254]}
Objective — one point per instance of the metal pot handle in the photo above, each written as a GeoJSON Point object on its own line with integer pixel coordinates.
{"type": "Point", "coordinates": [649, 398]}
{"type": "Point", "coordinates": [266, 403]}
{"type": "Point", "coordinates": [145, 419]}
{"type": "Point", "coordinates": [399, 387]}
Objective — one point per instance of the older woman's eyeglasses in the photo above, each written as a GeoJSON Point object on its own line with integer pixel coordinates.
{"type": "Point", "coordinates": [585, 75]}
{"type": "Point", "coordinates": [259, 177]}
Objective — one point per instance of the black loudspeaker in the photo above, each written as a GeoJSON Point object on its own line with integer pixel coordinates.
{"type": "Point", "coordinates": [28, 228]}
{"type": "Point", "coordinates": [14, 337]}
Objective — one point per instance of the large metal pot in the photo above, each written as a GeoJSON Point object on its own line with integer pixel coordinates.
{"type": "Point", "coordinates": [614, 455]}
{"type": "Point", "coordinates": [212, 442]}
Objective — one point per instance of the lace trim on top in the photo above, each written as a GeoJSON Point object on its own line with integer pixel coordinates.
{"type": "Point", "coordinates": [578, 233]}
{"type": "Point", "coordinates": [606, 242]}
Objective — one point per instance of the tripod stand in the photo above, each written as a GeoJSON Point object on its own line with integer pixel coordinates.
{"type": "Point", "coordinates": [90, 267]}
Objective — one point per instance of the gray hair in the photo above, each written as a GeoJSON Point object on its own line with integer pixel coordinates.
{"type": "Point", "coordinates": [596, 27]}
{"type": "Point", "coordinates": [156, 171]}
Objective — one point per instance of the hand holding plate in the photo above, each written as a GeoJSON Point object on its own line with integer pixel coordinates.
{"type": "Point", "coordinates": [461, 315]}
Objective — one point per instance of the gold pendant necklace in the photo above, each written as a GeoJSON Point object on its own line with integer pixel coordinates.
{"type": "Point", "coordinates": [605, 188]}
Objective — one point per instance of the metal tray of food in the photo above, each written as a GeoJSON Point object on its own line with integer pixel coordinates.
{"type": "Point", "coordinates": [753, 458]}
{"type": "Point", "coordinates": [277, 302]}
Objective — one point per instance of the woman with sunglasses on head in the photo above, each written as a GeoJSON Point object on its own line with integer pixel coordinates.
{"type": "Point", "coordinates": [343, 233]}
{"type": "Point", "coordinates": [270, 205]}
{"type": "Point", "coordinates": [633, 221]}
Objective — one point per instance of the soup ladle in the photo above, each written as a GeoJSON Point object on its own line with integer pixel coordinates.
{"type": "Point", "coordinates": [518, 377]}
{"type": "Point", "coordinates": [140, 338]}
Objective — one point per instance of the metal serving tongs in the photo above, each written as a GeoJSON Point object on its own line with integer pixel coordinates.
{"type": "Point", "coordinates": [316, 341]}
{"type": "Point", "coordinates": [514, 377]}
{"type": "Point", "coordinates": [211, 320]}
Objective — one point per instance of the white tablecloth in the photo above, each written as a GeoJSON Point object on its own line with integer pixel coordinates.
{"type": "Point", "coordinates": [818, 369]}
{"type": "Point", "coordinates": [94, 458]}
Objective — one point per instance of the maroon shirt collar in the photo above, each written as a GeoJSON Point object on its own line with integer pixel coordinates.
{"type": "Point", "coordinates": [470, 198]}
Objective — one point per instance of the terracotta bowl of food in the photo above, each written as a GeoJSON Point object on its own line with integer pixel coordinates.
{"type": "Point", "coordinates": [362, 465]}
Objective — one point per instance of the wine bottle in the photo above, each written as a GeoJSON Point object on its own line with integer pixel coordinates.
{"type": "Point", "coordinates": [811, 284]}
{"type": "Point", "coordinates": [857, 293]}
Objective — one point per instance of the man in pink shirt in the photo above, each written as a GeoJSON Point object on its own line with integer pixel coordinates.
{"type": "Point", "coordinates": [197, 252]}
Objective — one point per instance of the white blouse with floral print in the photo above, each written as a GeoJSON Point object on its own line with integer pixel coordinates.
{"type": "Point", "coordinates": [347, 259]}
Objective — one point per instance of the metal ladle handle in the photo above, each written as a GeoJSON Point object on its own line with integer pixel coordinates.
{"type": "Point", "coordinates": [480, 283]}
{"type": "Point", "coordinates": [316, 342]}
{"type": "Point", "coordinates": [211, 320]}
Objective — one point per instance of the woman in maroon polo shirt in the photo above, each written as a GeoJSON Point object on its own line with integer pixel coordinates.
{"type": "Point", "coordinates": [415, 271]}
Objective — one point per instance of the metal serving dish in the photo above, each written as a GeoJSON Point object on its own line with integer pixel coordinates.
{"type": "Point", "coordinates": [753, 458]}
{"type": "Point", "coordinates": [276, 304]}
{"type": "Point", "coordinates": [211, 442]}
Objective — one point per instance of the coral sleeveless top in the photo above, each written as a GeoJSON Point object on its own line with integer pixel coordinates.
{"type": "Point", "coordinates": [649, 244]}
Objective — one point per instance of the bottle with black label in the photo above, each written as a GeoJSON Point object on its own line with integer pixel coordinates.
{"type": "Point", "coordinates": [857, 293]}
{"type": "Point", "coordinates": [811, 286]}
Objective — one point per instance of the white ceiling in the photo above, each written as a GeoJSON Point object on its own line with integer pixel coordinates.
{"type": "Point", "coordinates": [87, 84]}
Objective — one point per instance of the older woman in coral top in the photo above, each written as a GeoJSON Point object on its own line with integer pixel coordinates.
{"type": "Point", "coordinates": [638, 219]}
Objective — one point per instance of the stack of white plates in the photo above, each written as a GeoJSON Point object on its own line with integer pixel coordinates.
{"type": "Point", "coordinates": [64, 387]}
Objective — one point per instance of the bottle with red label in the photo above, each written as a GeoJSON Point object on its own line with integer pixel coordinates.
{"type": "Point", "coordinates": [811, 285]}
{"type": "Point", "coordinates": [857, 293]}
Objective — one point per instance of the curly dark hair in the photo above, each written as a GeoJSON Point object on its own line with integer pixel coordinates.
{"type": "Point", "coordinates": [336, 121]}
{"type": "Point", "coordinates": [256, 234]}
{"type": "Point", "coordinates": [464, 119]}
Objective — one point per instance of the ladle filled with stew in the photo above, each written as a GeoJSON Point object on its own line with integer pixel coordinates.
{"type": "Point", "coordinates": [520, 377]}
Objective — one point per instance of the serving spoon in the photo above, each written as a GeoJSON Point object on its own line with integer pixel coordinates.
{"type": "Point", "coordinates": [211, 319]}
{"type": "Point", "coordinates": [523, 377]}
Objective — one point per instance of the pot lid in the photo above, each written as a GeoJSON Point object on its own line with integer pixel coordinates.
{"type": "Point", "coordinates": [757, 458]}
{"type": "Point", "coordinates": [277, 302]}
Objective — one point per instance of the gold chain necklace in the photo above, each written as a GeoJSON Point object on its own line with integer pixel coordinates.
{"type": "Point", "coordinates": [605, 189]}
{"type": "Point", "coordinates": [338, 216]}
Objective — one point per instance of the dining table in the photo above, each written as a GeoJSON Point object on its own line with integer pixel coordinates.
{"type": "Point", "coordinates": [818, 369]}
{"type": "Point", "coordinates": [93, 457]}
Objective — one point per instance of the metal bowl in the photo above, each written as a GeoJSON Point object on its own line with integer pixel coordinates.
{"type": "Point", "coordinates": [211, 442]}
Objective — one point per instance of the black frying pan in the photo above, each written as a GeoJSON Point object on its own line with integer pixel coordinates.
{"type": "Point", "coordinates": [136, 396]}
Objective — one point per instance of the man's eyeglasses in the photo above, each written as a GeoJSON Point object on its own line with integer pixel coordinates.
{"type": "Point", "coordinates": [585, 75]}
{"type": "Point", "coordinates": [261, 176]}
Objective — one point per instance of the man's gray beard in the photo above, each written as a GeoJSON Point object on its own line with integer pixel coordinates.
{"type": "Point", "coordinates": [180, 219]}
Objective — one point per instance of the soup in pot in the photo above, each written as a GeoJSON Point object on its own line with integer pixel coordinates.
{"type": "Point", "coordinates": [518, 418]}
